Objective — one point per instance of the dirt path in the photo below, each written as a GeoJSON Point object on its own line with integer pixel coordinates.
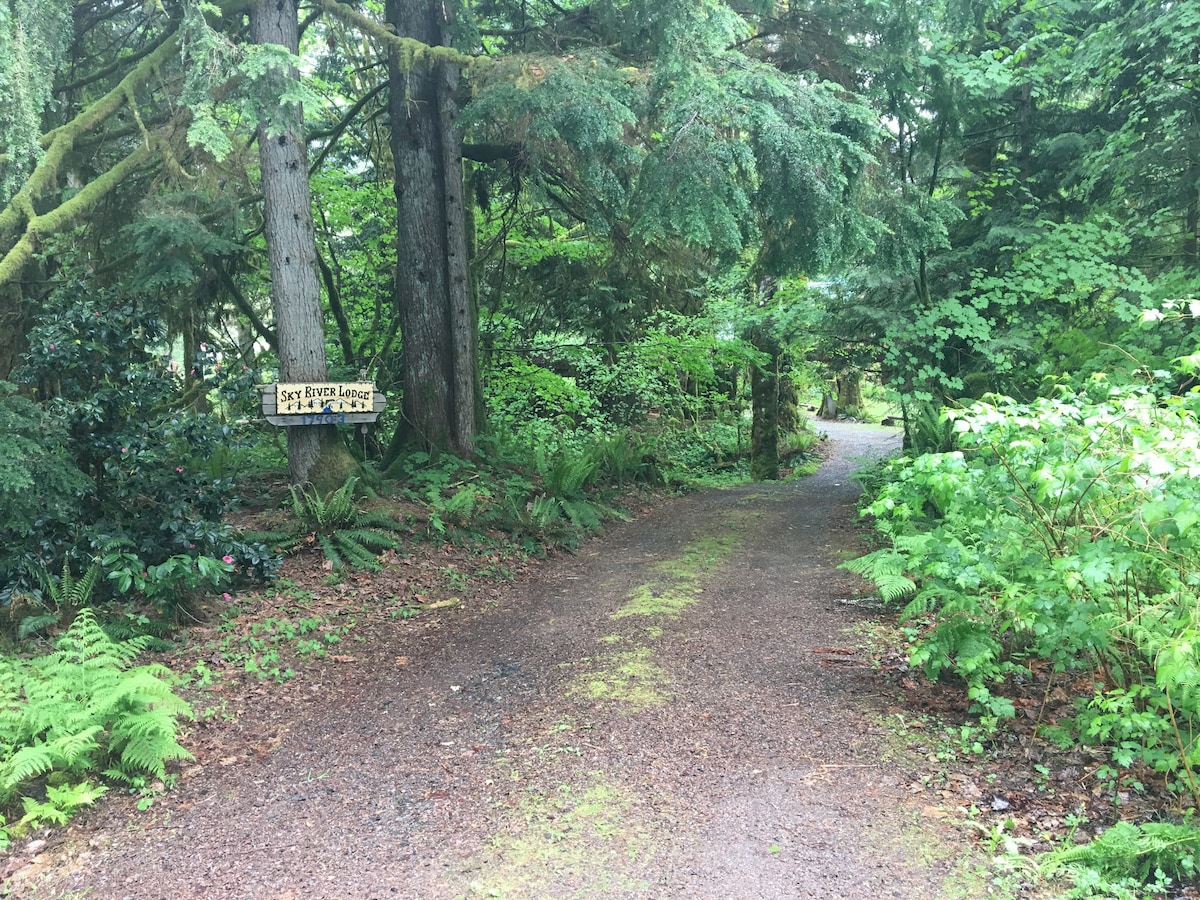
{"type": "Point", "coordinates": [673, 712]}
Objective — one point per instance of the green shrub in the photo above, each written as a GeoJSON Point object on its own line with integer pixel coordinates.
{"type": "Point", "coordinates": [127, 462]}
{"type": "Point", "coordinates": [82, 711]}
{"type": "Point", "coordinates": [1066, 530]}
{"type": "Point", "coordinates": [40, 486]}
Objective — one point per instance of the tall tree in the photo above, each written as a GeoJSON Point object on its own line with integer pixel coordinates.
{"type": "Point", "coordinates": [437, 314]}
{"type": "Point", "coordinates": [315, 453]}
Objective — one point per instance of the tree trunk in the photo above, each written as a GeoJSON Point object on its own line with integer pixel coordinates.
{"type": "Point", "coordinates": [764, 400]}
{"type": "Point", "coordinates": [849, 391]}
{"type": "Point", "coordinates": [315, 453]}
{"type": "Point", "coordinates": [829, 407]}
{"type": "Point", "coordinates": [437, 316]}
{"type": "Point", "coordinates": [16, 317]}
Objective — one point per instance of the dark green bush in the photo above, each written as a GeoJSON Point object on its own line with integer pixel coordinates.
{"type": "Point", "coordinates": [125, 462]}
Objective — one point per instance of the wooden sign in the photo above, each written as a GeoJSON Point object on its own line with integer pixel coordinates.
{"type": "Point", "coordinates": [321, 403]}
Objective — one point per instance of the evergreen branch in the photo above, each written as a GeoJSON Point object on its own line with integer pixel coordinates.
{"type": "Point", "coordinates": [243, 305]}
{"type": "Point", "coordinates": [61, 140]}
{"type": "Point", "coordinates": [338, 128]}
{"type": "Point", "coordinates": [100, 74]}
{"type": "Point", "coordinates": [410, 50]}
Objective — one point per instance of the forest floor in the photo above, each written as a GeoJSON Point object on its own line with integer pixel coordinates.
{"type": "Point", "coordinates": [694, 704]}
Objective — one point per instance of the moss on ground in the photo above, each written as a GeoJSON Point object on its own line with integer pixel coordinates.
{"type": "Point", "coordinates": [566, 842]}
{"type": "Point", "coordinates": [676, 582]}
{"type": "Point", "coordinates": [628, 678]}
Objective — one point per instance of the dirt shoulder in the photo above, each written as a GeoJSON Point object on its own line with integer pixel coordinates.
{"type": "Point", "coordinates": [677, 710]}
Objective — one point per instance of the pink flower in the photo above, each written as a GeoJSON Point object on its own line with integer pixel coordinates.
{"type": "Point", "coordinates": [51, 346]}
{"type": "Point", "coordinates": [228, 560]}
{"type": "Point", "coordinates": [179, 469]}
{"type": "Point", "coordinates": [226, 597]}
{"type": "Point", "coordinates": [124, 449]}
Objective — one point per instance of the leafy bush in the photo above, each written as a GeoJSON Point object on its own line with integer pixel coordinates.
{"type": "Point", "coordinates": [1066, 530]}
{"type": "Point", "coordinates": [126, 464]}
{"type": "Point", "coordinates": [78, 712]}
{"type": "Point", "coordinates": [40, 486]}
{"type": "Point", "coordinates": [533, 401]}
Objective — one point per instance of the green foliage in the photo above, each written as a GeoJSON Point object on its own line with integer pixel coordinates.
{"type": "Point", "coordinates": [1005, 326]}
{"type": "Point", "coordinates": [139, 453]}
{"type": "Point", "coordinates": [621, 458]}
{"type": "Point", "coordinates": [176, 581]}
{"type": "Point", "coordinates": [927, 429]}
{"type": "Point", "coordinates": [1065, 530]}
{"type": "Point", "coordinates": [564, 477]}
{"type": "Point", "coordinates": [61, 596]}
{"type": "Point", "coordinates": [538, 403]}
{"type": "Point", "coordinates": [347, 535]}
{"type": "Point", "coordinates": [33, 38]}
{"type": "Point", "coordinates": [38, 480]}
{"type": "Point", "coordinates": [81, 711]}
{"type": "Point", "coordinates": [263, 72]}
{"type": "Point", "coordinates": [1128, 860]}
{"type": "Point", "coordinates": [885, 568]}
{"type": "Point", "coordinates": [266, 647]}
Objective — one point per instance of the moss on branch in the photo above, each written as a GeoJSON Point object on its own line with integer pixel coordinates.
{"type": "Point", "coordinates": [65, 213]}
{"type": "Point", "coordinates": [410, 51]}
{"type": "Point", "coordinates": [58, 144]}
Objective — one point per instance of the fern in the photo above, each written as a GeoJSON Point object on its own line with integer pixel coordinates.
{"type": "Point", "coordinates": [460, 505]}
{"type": "Point", "coordinates": [1134, 851]}
{"type": "Point", "coordinates": [283, 540]}
{"type": "Point", "coordinates": [67, 591]}
{"type": "Point", "coordinates": [621, 458]}
{"type": "Point", "coordinates": [26, 763]}
{"type": "Point", "coordinates": [582, 514]}
{"type": "Point", "coordinates": [334, 510]}
{"type": "Point", "coordinates": [31, 625]}
{"type": "Point", "coordinates": [564, 475]}
{"type": "Point", "coordinates": [347, 536]}
{"type": "Point", "coordinates": [542, 513]}
{"type": "Point", "coordinates": [61, 801]}
{"type": "Point", "coordinates": [885, 568]}
{"type": "Point", "coordinates": [84, 708]}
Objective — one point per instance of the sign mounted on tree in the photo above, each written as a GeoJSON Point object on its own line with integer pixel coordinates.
{"type": "Point", "coordinates": [321, 403]}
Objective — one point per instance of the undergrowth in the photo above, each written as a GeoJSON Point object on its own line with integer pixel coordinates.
{"type": "Point", "coordinates": [1061, 534]}
{"type": "Point", "coordinates": [79, 713]}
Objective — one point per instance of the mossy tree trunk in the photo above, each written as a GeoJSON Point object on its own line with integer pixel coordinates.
{"type": "Point", "coordinates": [437, 314]}
{"type": "Point", "coordinates": [764, 400]}
{"type": "Point", "coordinates": [849, 390]}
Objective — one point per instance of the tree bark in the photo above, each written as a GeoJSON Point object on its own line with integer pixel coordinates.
{"type": "Point", "coordinates": [764, 400]}
{"type": "Point", "coordinates": [433, 297]}
{"type": "Point", "coordinates": [849, 390]}
{"type": "Point", "coordinates": [315, 453]}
